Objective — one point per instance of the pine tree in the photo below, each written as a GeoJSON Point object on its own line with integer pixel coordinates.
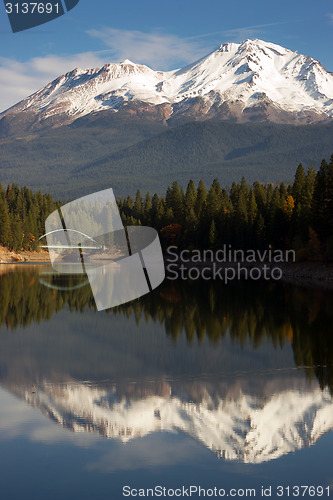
{"type": "Point", "coordinates": [138, 205]}
{"type": "Point", "coordinates": [244, 188]}
{"type": "Point", "coordinates": [213, 203]}
{"type": "Point", "coordinates": [216, 186]}
{"type": "Point", "coordinates": [299, 184]}
{"type": "Point", "coordinates": [5, 228]}
{"type": "Point", "coordinates": [174, 200]}
{"type": "Point", "coordinates": [234, 194]}
{"type": "Point", "coordinates": [241, 208]}
{"type": "Point", "coordinates": [160, 214]}
{"type": "Point", "coordinates": [201, 198]}
{"type": "Point", "coordinates": [155, 203]}
{"type": "Point", "coordinates": [260, 195]}
{"type": "Point", "coordinates": [148, 209]}
{"type": "Point", "coordinates": [129, 202]}
{"type": "Point", "coordinates": [190, 198]}
{"type": "Point", "coordinates": [17, 233]}
{"type": "Point", "coordinates": [322, 201]}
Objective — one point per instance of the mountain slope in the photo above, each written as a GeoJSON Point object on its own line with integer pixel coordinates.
{"type": "Point", "coordinates": [250, 81]}
{"type": "Point", "coordinates": [268, 153]}
{"type": "Point", "coordinates": [128, 154]}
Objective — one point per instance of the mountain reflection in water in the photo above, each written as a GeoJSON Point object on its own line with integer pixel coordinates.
{"type": "Point", "coordinates": [244, 427]}
{"type": "Point", "coordinates": [246, 369]}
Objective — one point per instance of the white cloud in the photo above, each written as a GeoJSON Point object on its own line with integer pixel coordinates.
{"type": "Point", "coordinates": [20, 79]}
{"type": "Point", "coordinates": [330, 16]}
{"type": "Point", "coordinates": [157, 49]}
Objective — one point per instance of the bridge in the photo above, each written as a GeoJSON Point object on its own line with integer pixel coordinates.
{"type": "Point", "coordinates": [78, 246]}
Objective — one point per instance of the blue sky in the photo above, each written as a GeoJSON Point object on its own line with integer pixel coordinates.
{"type": "Point", "coordinates": [163, 35]}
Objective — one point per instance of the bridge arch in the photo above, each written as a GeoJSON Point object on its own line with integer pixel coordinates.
{"type": "Point", "coordinates": [97, 247]}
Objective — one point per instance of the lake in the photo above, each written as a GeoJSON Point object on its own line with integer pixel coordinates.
{"type": "Point", "coordinates": [227, 388]}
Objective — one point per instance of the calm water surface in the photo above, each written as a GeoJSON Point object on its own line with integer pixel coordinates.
{"type": "Point", "coordinates": [195, 384]}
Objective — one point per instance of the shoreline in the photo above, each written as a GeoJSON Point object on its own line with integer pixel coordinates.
{"type": "Point", "coordinates": [11, 257]}
{"type": "Point", "coordinates": [319, 274]}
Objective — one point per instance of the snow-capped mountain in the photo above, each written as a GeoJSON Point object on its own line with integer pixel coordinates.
{"type": "Point", "coordinates": [246, 428]}
{"type": "Point", "coordinates": [249, 81]}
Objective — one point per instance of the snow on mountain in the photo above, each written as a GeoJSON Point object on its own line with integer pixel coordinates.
{"type": "Point", "coordinates": [252, 80]}
{"type": "Point", "coordinates": [81, 92]}
{"type": "Point", "coordinates": [245, 428]}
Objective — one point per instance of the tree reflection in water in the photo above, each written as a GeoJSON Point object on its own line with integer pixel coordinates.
{"type": "Point", "coordinates": [250, 312]}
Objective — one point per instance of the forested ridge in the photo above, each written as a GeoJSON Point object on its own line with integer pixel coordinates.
{"type": "Point", "coordinates": [127, 153]}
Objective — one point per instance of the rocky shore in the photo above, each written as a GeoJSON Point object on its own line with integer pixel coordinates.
{"type": "Point", "coordinates": [10, 257]}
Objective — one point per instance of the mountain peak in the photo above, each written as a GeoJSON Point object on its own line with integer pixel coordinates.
{"type": "Point", "coordinates": [249, 81]}
{"type": "Point", "coordinates": [127, 61]}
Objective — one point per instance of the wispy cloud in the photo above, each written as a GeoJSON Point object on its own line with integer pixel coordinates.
{"type": "Point", "coordinates": [330, 17]}
{"type": "Point", "coordinates": [241, 33]}
{"type": "Point", "coordinates": [157, 49]}
{"type": "Point", "coordinates": [20, 79]}
{"type": "Point", "coordinates": [164, 51]}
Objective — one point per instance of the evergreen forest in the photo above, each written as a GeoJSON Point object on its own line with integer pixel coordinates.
{"type": "Point", "coordinates": [22, 217]}
{"type": "Point", "coordinates": [296, 216]}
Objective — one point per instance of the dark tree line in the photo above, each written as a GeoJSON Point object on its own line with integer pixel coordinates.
{"type": "Point", "coordinates": [22, 217]}
{"type": "Point", "coordinates": [298, 216]}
